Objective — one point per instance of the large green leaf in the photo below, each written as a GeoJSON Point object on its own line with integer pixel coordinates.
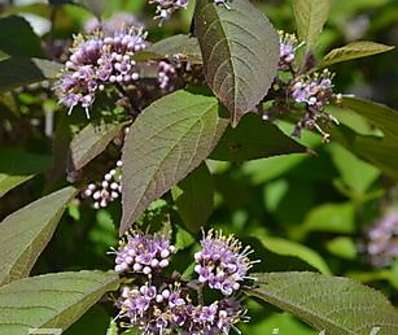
{"type": "Point", "coordinates": [380, 151]}
{"type": "Point", "coordinates": [17, 166]}
{"type": "Point", "coordinates": [17, 71]}
{"type": "Point", "coordinates": [254, 139]}
{"type": "Point", "coordinates": [18, 39]}
{"type": "Point", "coordinates": [52, 300]}
{"type": "Point", "coordinates": [167, 141]}
{"type": "Point", "coordinates": [25, 233]}
{"type": "Point", "coordinates": [91, 141]}
{"type": "Point", "coordinates": [310, 15]}
{"type": "Point", "coordinates": [338, 306]}
{"type": "Point", "coordinates": [288, 248]}
{"type": "Point", "coordinates": [194, 198]}
{"type": "Point", "coordinates": [240, 52]}
{"type": "Point", "coordinates": [354, 50]}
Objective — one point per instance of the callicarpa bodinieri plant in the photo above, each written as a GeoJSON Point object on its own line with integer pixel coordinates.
{"type": "Point", "coordinates": [206, 167]}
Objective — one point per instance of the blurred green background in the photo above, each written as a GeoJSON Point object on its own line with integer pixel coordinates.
{"type": "Point", "coordinates": [307, 211]}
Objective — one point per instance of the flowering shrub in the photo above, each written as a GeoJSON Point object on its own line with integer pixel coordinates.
{"type": "Point", "coordinates": [206, 163]}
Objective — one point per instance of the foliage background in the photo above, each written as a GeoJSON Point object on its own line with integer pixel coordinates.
{"type": "Point", "coordinates": [324, 202]}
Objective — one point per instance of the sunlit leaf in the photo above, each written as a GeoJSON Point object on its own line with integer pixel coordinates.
{"type": "Point", "coordinates": [167, 141]}
{"type": "Point", "coordinates": [338, 306]}
{"type": "Point", "coordinates": [354, 50]}
{"type": "Point", "coordinates": [91, 141]}
{"type": "Point", "coordinates": [240, 52]}
{"type": "Point", "coordinates": [52, 300]}
{"type": "Point", "coordinates": [310, 15]}
{"type": "Point", "coordinates": [25, 233]}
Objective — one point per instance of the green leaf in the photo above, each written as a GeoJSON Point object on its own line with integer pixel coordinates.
{"type": "Point", "coordinates": [91, 141]}
{"type": "Point", "coordinates": [240, 52]}
{"type": "Point", "coordinates": [355, 173]}
{"type": "Point", "coordinates": [194, 198]}
{"type": "Point", "coordinates": [168, 140]}
{"type": "Point", "coordinates": [331, 218]}
{"type": "Point", "coordinates": [17, 71]}
{"type": "Point", "coordinates": [343, 247]}
{"type": "Point", "coordinates": [310, 15]}
{"type": "Point", "coordinates": [284, 247]}
{"type": "Point", "coordinates": [52, 300]}
{"type": "Point", "coordinates": [376, 150]}
{"type": "Point", "coordinates": [338, 306]}
{"type": "Point", "coordinates": [18, 39]}
{"type": "Point", "coordinates": [186, 47]}
{"type": "Point", "coordinates": [354, 50]}
{"type": "Point", "coordinates": [97, 7]}
{"type": "Point", "coordinates": [17, 167]}
{"type": "Point", "coordinates": [25, 233]}
{"type": "Point", "coordinates": [254, 139]}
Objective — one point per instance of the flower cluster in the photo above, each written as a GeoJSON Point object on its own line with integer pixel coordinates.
{"type": "Point", "coordinates": [166, 73]}
{"type": "Point", "coordinates": [157, 304]}
{"type": "Point", "coordinates": [143, 253]}
{"type": "Point", "coordinates": [383, 240]}
{"type": "Point", "coordinates": [108, 190]}
{"type": "Point", "coordinates": [316, 90]}
{"type": "Point", "coordinates": [288, 45]}
{"type": "Point", "coordinates": [222, 263]}
{"type": "Point", "coordinates": [96, 61]}
{"type": "Point", "coordinates": [169, 309]}
{"type": "Point", "coordinates": [165, 8]}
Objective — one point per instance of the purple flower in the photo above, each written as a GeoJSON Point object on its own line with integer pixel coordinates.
{"type": "Point", "coordinates": [222, 263]}
{"type": "Point", "coordinates": [166, 74]}
{"type": "Point", "coordinates": [316, 90]}
{"type": "Point", "coordinates": [108, 190]}
{"type": "Point", "coordinates": [383, 240]}
{"type": "Point", "coordinates": [288, 46]}
{"type": "Point", "coordinates": [143, 253]}
{"type": "Point", "coordinates": [98, 60]}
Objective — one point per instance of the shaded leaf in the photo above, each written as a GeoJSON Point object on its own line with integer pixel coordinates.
{"type": "Point", "coordinates": [254, 139]}
{"type": "Point", "coordinates": [186, 47]}
{"type": "Point", "coordinates": [91, 141]}
{"type": "Point", "coordinates": [17, 167]}
{"type": "Point", "coordinates": [16, 71]}
{"type": "Point", "coordinates": [288, 248]}
{"type": "Point", "coordinates": [240, 52]}
{"type": "Point", "coordinates": [25, 233]}
{"type": "Point", "coordinates": [194, 198]}
{"type": "Point", "coordinates": [380, 151]}
{"type": "Point", "coordinates": [354, 50]}
{"type": "Point", "coordinates": [310, 15]}
{"type": "Point", "coordinates": [338, 306]}
{"type": "Point", "coordinates": [167, 141]}
{"type": "Point", "coordinates": [18, 39]}
{"type": "Point", "coordinates": [52, 300]}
